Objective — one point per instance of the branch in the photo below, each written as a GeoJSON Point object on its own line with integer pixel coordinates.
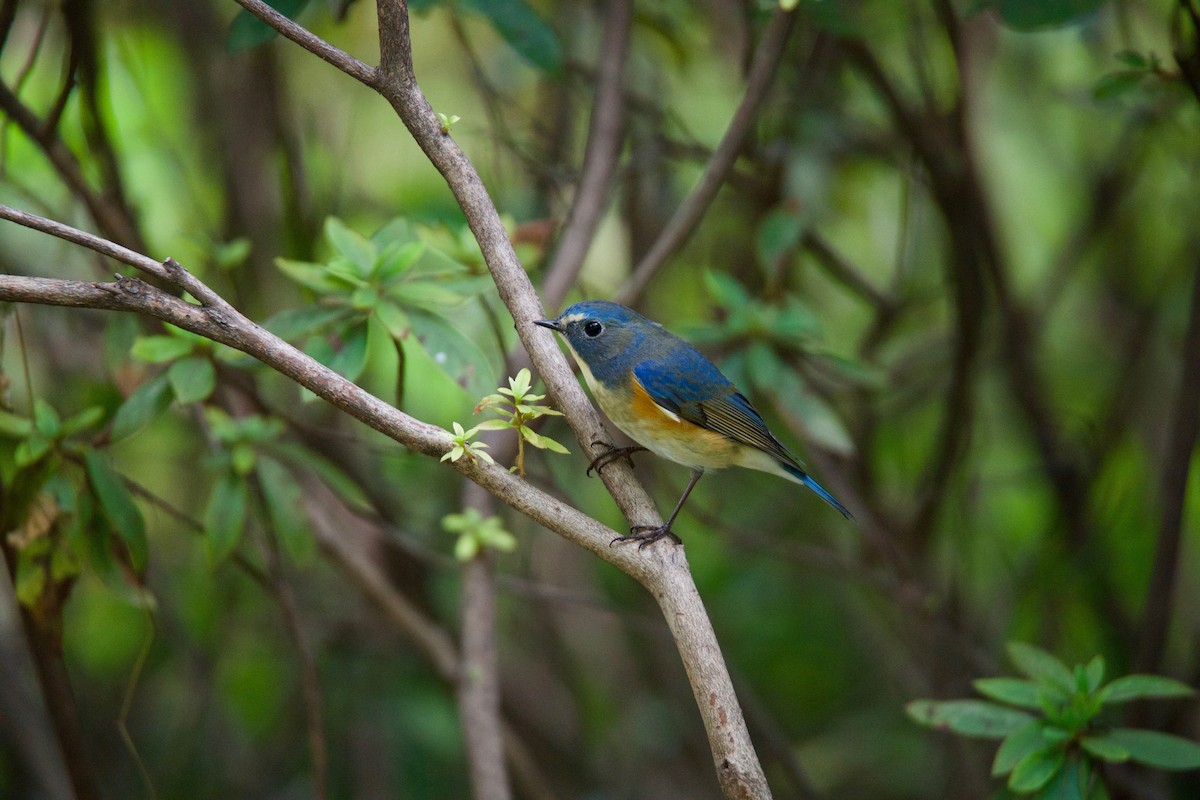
{"type": "Point", "coordinates": [108, 218]}
{"type": "Point", "coordinates": [600, 158]}
{"type": "Point", "coordinates": [314, 44]}
{"type": "Point", "coordinates": [683, 223]}
{"type": "Point", "coordinates": [1185, 426]}
{"type": "Point", "coordinates": [665, 574]}
{"type": "Point", "coordinates": [479, 676]}
{"type": "Point", "coordinates": [662, 569]}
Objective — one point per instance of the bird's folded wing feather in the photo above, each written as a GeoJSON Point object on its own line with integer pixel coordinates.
{"type": "Point", "coordinates": [705, 397]}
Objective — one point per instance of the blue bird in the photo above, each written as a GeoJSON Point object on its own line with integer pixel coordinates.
{"type": "Point", "coordinates": [672, 400]}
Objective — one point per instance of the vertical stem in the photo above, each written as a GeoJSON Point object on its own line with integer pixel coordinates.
{"type": "Point", "coordinates": [1185, 425]}
{"type": "Point", "coordinates": [479, 679]}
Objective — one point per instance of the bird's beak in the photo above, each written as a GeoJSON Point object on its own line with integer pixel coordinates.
{"type": "Point", "coordinates": [549, 323]}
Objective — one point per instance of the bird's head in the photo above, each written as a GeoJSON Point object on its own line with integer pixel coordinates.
{"type": "Point", "coordinates": [605, 335]}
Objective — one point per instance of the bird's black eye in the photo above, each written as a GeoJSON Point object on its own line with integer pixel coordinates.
{"type": "Point", "coordinates": [593, 328]}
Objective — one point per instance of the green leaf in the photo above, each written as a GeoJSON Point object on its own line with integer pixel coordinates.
{"type": "Point", "coordinates": [526, 32]}
{"type": "Point", "coordinates": [30, 581]}
{"type": "Point", "coordinates": [1133, 687]}
{"type": "Point", "coordinates": [1036, 769]}
{"type": "Point", "coordinates": [285, 506]}
{"type": "Point", "coordinates": [351, 245]}
{"type": "Point", "coordinates": [493, 425]}
{"type": "Point", "coordinates": [1133, 59]}
{"type": "Point", "coordinates": [118, 507]}
{"type": "Point", "coordinates": [45, 419]}
{"type": "Point", "coordinates": [314, 276]}
{"type": "Point", "coordinates": [225, 517]}
{"type": "Point", "coordinates": [1156, 749]}
{"type": "Point", "coordinates": [1035, 14]}
{"type": "Point", "coordinates": [1093, 675]}
{"type": "Point", "coordinates": [1116, 84]}
{"type": "Point", "coordinates": [232, 254]}
{"type": "Point", "coordinates": [1016, 746]}
{"type": "Point", "coordinates": [453, 351]}
{"type": "Point", "coordinates": [293, 323]}
{"type": "Point", "coordinates": [14, 426]}
{"type": "Point", "coordinates": [426, 294]}
{"type": "Point", "coordinates": [364, 299]}
{"type": "Point", "coordinates": [1069, 783]}
{"type": "Point", "coordinates": [31, 450]}
{"type": "Point", "coordinates": [147, 402]}
{"type": "Point", "coordinates": [1013, 691]}
{"type": "Point", "coordinates": [247, 30]}
{"type": "Point", "coordinates": [160, 349]}
{"type": "Point", "coordinates": [83, 420]}
{"type": "Point", "coordinates": [542, 442]}
{"type": "Point", "coordinates": [342, 484]}
{"type": "Point", "coordinates": [778, 235]}
{"type": "Point", "coordinates": [1104, 748]}
{"type": "Point", "coordinates": [192, 379]}
{"type": "Point", "coordinates": [968, 717]}
{"type": "Point", "coordinates": [1041, 666]}
{"type": "Point", "coordinates": [726, 290]}
{"type": "Point", "coordinates": [466, 548]}
{"type": "Point", "coordinates": [396, 231]}
{"type": "Point", "coordinates": [242, 458]}
{"type": "Point", "coordinates": [397, 258]}
{"type": "Point", "coordinates": [351, 360]}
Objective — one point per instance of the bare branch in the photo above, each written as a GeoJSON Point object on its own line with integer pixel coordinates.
{"type": "Point", "coordinates": [219, 321]}
{"type": "Point", "coordinates": [314, 44]}
{"type": "Point", "coordinates": [1185, 427]}
{"type": "Point", "coordinates": [106, 215]}
{"type": "Point", "coordinates": [683, 223]}
{"type": "Point", "coordinates": [479, 675]}
{"type": "Point", "coordinates": [85, 239]}
{"type": "Point", "coordinates": [600, 158]}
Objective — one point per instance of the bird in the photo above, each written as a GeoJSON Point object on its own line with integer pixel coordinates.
{"type": "Point", "coordinates": [670, 399]}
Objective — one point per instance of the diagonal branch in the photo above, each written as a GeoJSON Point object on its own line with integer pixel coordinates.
{"type": "Point", "coordinates": [662, 569]}
{"type": "Point", "coordinates": [360, 71]}
{"type": "Point", "coordinates": [600, 157]}
{"type": "Point", "coordinates": [1185, 427]}
{"type": "Point", "coordinates": [683, 223]}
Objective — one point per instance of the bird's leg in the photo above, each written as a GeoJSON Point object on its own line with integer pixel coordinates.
{"type": "Point", "coordinates": [649, 534]}
{"type": "Point", "coordinates": [610, 455]}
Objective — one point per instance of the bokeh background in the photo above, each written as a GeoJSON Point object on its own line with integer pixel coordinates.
{"type": "Point", "coordinates": [955, 265]}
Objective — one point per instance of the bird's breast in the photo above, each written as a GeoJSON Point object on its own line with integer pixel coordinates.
{"type": "Point", "coordinates": [663, 432]}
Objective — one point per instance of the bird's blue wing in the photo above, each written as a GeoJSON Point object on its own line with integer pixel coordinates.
{"type": "Point", "coordinates": [695, 390]}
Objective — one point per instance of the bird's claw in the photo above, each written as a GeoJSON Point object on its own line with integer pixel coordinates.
{"type": "Point", "coordinates": [610, 455]}
{"type": "Point", "coordinates": [646, 535]}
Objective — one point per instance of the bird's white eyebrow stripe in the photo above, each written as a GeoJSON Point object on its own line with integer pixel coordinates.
{"type": "Point", "coordinates": [571, 318]}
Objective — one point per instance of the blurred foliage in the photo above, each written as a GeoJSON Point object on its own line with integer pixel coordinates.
{"type": "Point", "coordinates": [954, 263]}
{"type": "Point", "coordinates": [1058, 754]}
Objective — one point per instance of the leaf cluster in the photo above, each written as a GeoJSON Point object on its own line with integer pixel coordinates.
{"type": "Point", "coordinates": [519, 407]}
{"type": "Point", "coordinates": [380, 295]}
{"type": "Point", "coordinates": [476, 532]}
{"type": "Point", "coordinates": [1055, 753]}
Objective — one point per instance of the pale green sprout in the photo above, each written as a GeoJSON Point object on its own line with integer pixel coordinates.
{"type": "Point", "coordinates": [463, 446]}
{"type": "Point", "coordinates": [521, 407]}
{"type": "Point", "coordinates": [476, 532]}
{"type": "Point", "coordinates": [448, 121]}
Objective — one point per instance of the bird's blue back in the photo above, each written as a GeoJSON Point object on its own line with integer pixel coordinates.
{"type": "Point", "coordinates": [632, 353]}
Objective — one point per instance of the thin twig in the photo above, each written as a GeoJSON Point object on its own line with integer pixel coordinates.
{"type": "Point", "coordinates": [311, 42]}
{"type": "Point", "coordinates": [605, 135]}
{"type": "Point", "coordinates": [310, 683]}
{"type": "Point", "coordinates": [1181, 442]}
{"type": "Point", "coordinates": [685, 219]}
{"type": "Point", "coordinates": [478, 675]}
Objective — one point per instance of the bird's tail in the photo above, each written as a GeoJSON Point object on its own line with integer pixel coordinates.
{"type": "Point", "coordinates": [807, 480]}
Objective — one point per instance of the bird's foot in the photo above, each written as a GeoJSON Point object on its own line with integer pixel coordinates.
{"type": "Point", "coordinates": [610, 455]}
{"type": "Point", "coordinates": [646, 535]}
